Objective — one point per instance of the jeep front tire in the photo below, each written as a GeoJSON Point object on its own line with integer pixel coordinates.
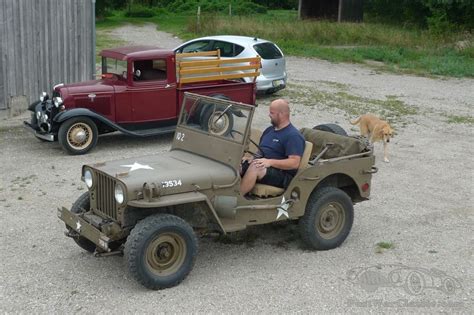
{"type": "Point", "coordinates": [328, 218]}
{"type": "Point", "coordinates": [81, 205]}
{"type": "Point", "coordinates": [161, 250]}
{"type": "Point", "coordinates": [78, 135]}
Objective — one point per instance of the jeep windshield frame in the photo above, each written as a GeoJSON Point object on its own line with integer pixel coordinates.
{"type": "Point", "coordinates": [214, 116]}
{"type": "Point", "coordinates": [227, 145]}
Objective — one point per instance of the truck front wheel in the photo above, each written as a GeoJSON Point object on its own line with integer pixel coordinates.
{"type": "Point", "coordinates": [82, 204]}
{"type": "Point", "coordinates": [161, 251]}
{"type": "Point", "coordinates": [328, 218]}
{"type": "Point", "coordinates": [78, 135]}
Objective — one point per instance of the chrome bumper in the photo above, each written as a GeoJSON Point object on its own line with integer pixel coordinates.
{"type": "Point", "coordinates": [47, 137]}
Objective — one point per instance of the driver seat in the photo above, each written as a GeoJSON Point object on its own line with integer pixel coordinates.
{"type": "Point", "coordinates": [262, 190]}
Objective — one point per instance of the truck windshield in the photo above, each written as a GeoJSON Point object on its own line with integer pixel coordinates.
{"type": "Point", "coordinates": [115, 66]}
{"type": "Point", "coordinates": [216, 117]}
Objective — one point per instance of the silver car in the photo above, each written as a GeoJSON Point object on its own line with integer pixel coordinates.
{"type": "Point", "coordinates": [273, 73]}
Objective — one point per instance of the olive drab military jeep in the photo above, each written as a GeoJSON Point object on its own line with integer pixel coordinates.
{"type": "Point", "coordinates": [151, 208]}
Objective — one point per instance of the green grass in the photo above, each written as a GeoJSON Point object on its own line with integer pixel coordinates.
{"type": "Point", "coordinates": [390, 108]}
{"type": "Point", "coordinates": [397, 49]}
{"type": "Point", "coordinates": [452, 119]}
{"type": "Point", "coordinates": [382, 246]}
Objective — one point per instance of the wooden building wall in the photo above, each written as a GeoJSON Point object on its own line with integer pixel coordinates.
{"type": "Point", "coordinates": [42, 43]}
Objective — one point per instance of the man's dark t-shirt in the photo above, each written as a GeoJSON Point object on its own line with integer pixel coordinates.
{"type": "Point", "coordinates": [279, 144]}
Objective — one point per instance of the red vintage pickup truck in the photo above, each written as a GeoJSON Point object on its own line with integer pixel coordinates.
{"type": "Point", "coordinates": [139, 94]}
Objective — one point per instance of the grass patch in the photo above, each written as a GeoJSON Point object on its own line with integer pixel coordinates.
{"type": "Point", "coordinates": [390, 108]}
{"type": "Point", "coordinates": [405, 50]}
{"type": "Point", "coordinates": [452, 119]}
{"type": "Point", "coordinates": [383, 246]}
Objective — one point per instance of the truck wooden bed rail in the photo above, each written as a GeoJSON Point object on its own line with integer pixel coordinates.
{"type": "Point", "coordinates": [213, 67]}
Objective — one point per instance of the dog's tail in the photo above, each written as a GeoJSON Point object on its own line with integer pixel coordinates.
{"type": "Point", "coordinates": [356, 121]}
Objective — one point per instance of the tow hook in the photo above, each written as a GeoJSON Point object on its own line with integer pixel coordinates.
{"type": "Point", "coordinates": [104, 254]}
{"type": "Point", "coordinates": [71, 234]}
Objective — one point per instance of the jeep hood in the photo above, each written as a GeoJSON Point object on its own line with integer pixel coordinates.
{"type": "Point", "coordinates": [172, 172]}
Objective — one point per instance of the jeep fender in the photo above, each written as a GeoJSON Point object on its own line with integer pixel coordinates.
{"type": "Point", "coordinates": [177, 200]}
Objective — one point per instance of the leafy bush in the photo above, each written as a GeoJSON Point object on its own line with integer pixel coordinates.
{"type": "Point", "coordinates": [139, 11]}
{"type": "Point", "coordinates": [239, 7]}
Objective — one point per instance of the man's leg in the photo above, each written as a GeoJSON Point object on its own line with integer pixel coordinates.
{"type": "Point", "coordinates": [250, 178]}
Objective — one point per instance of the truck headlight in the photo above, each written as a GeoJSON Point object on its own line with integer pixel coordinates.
{"type": "Point", "coordinates": [119, 193]}
{"type": "Point", "coordinates": [43, 96]}
{"type": "Point", "coordinates": [88, 178]}
{"type": "Point", "coordinates": [58, 101]}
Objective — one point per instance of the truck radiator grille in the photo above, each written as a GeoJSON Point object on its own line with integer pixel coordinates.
{"type": "Point", "coordinates": [105, 199]}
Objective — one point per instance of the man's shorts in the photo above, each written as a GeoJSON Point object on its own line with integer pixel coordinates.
{"type": "Point", "coordinates": [276, 177]}
{"type": "Point", "coordinates": [273, 177]}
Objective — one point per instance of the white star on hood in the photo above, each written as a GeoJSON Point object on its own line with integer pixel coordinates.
{"type": "Point", "coordinates": [78, 226]}
{"type": "Point", "coordinates": [283, 208]}
{"type": "Point", "coordinates": [137, 166]}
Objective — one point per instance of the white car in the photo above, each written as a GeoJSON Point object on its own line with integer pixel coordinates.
{"type": "Point", "coordinates": [273, 72]}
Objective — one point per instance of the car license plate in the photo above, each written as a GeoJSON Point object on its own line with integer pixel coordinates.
{"type": "Point", "coordinates": [277, 83]}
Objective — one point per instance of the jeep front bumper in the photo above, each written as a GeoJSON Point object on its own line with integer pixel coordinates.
{"type": "Point", "coordinates": [80, 227]}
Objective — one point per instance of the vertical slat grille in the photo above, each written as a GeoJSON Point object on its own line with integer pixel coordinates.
{"type": "Point", "coordinates": [105, 195]}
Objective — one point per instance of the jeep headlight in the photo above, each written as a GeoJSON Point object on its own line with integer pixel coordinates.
{"type": "Point", "coordinates": [119, 193]}
{"type": "Point", "coordinates": [43, 96]}
{"type": "Point", "coordinates": [58, 101]}
{"type": "Point", "coordinates": [88, 178]}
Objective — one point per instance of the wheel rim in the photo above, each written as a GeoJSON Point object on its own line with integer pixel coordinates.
{"type": "Point", "coordinates": [216, 125]}
{"type": "Point", "coordinates": [415, 283]}
{"type": "Point", "coordinates": [79, 136]}
{"type": "Point", "coordinates": [331, 220]}
{"type": "Point", "coordinates": [165, 254]}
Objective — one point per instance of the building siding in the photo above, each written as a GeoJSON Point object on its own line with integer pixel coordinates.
{"type": "Point", "coordinates": [43, 42]}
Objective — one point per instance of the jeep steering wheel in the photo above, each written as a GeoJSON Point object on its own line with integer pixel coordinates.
{"type": "Point", "coordinates": [261, 155]}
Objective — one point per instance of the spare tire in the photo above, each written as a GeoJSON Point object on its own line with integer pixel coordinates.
{"type": "Point", "coordinates": [334, 128]}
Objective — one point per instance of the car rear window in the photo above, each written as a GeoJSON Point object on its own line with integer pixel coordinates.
{"type": "Point", "coordinates": [268, 51]}
{"type": "Point", "coordinates": [227, 49]}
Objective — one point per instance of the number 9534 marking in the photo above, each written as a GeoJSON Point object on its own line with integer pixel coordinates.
{"type": "Point", "coordinates": [171, 183]}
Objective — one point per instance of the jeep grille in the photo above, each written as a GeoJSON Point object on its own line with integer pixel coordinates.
{"type": "Point", "coordinates": [105, 201]}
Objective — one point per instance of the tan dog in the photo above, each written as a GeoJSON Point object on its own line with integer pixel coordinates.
{"type": "Point", "coordinates": [375, 129]}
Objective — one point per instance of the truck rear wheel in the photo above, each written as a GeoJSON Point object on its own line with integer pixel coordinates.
{"type": "Point", "coordinates": [82, 204]}
{"type": "Point", "coordinates": [328, 218]}
{"type": "Point", "coordinates": [334, 128]}
{"type": "Point", "coordinates": [161, 251]}
{"type": "Point", "coordinates": [78, 135]}
{"type": "Point", "coordinates": [218, 121]}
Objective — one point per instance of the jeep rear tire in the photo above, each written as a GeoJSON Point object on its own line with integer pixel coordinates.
{"type": "Point", "coordinates": [81, 205]}
{"type": "Point", "coordinates": [334, 128]}
{"type": "Point", "coordinates": [78, 135]}
{"type": "Point", "coordinates": [328, 218]}
{"type": "Point", "coordinates": [161, 251]}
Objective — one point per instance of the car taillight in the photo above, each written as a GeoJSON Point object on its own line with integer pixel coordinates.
{"type": "Point", "coordinates": [254, 63]}
{"type": "Point", "coordinates": [365, 187]}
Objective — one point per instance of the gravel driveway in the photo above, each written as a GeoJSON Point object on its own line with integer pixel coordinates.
{"type": "Point", "coordinates": [421, 208]}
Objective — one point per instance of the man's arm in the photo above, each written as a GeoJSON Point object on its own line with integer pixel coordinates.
{"type": "Point", "coordinates": [291, 163]}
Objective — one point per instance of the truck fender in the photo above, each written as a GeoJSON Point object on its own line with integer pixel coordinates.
{"type": "Point", "coordinates": [33, 105]}
{"type": "Point", "coordinates": [76, 112]}
{"type": "Point", "coordinates": [177, 200]}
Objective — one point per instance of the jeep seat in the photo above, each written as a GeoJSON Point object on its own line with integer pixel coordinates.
{"type": "Point", "coordinates": [262, 190]}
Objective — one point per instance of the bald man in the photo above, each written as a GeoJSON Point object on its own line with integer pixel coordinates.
{"type": "Point", "coordinates": [282, 146]}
